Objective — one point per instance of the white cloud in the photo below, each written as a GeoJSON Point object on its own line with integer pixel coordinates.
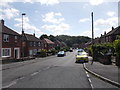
{"type": "Point", "coordinates": [43, 2]}
{"type": "Point", "coordinates": [84, 20]}
{"type": "Point", "coordinates": [51, 18]}
{"type": "Point", "coordinates": [86, 33]}
{"type": "Point", "coordinates": [107, 22]}
{"type": "Point", "coordinates": [96, 2]}
{"type": "Point", "coordinates": [27, 26]}
{"type": "Point", "coordinates": [8, 13]}
{"type": "Point", "coordinates": [111, 13]}
{"type": "Point", "coordinates": [48, 2]}
{"type": "Point", "coordinates": [57, 29]}
{"type": "Point", "coordinates": [56, 24]}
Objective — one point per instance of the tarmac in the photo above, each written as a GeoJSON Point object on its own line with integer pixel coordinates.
{"type": "Point", "coordinates": [108, 73]}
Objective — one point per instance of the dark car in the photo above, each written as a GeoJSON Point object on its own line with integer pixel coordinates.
{"type": "Point", "coordinates": [71, 50]}
{"type": "Point", "coordinates": [61, 54]}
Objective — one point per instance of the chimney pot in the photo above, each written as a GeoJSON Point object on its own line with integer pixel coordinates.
{"type": "Point", "coordinates": [2, 21]}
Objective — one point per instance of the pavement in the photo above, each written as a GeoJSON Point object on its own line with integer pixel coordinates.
{"type": "Point", "coordinates": [110, 72]}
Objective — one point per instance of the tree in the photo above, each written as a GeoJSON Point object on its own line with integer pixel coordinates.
{"type": "Point", "coordinates": [44, 36]}
{"type": "Point", "coordinates": [52, 38]}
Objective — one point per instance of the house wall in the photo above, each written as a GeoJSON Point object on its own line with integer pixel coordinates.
{"type": "Point", "coordinates": [30, 50]}
{"type": "Point", "coordinates": [12, 44]}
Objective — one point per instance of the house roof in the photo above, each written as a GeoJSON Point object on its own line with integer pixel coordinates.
{"type": "Point", "coordinates": [31, 37]}
{"type": "Point", "coordinates": [7, 30]}
{"type": "Point", "coordinates": [48, 41]}
{"type": "Point", "coordinates": [114, 31]}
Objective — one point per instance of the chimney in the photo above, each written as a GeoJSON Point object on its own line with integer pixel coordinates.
{"type": "Point", "coordinates": [101, 35]}
{"type": "Point", "coordinates": [22, 32]}
{"type": "Point", "coordinates": [2, 22]}
{"type": "Point", "coordinates": [34, 34]}
{"type": "Point", "coordinates": [105, 33]}
{"type": "Point", "coordinates": [112, 28]}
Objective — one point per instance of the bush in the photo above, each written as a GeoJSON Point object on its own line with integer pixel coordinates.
{"type": "Point", "coordinates": [117, 49]}
{"type": "Point", "coordinates": [53, 51]}
{"type": "Point", "coordinates": [117, 46]}
{"type": "Point", "coordinates": [99, 50]}
{"type": "Point", "coordinates": [42, 53]}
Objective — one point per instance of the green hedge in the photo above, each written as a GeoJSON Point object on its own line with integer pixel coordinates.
{"type": "Point", "coordinates": [98, 50]}
{"type": "Point", "coordinates": [117, 46]}
{"type": "Point", "coordinates": [42, 53]}
{"type": "Point", "coordinates": [117, 50]}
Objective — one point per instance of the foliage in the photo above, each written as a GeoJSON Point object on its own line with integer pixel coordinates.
{"type": "Point", "coordinates": [44, 36]}
{"type": "Point", "coordinates": [98, 50]}
{"type": "Point", "coordinates": [53, 51]}
{"type": "Point", "coordinates": [70, 40]}
{"type": "Point", "coordinates": [42, 53]}
{"type": "Point", "coordinates": [117, 46]}
{"type": "Point", "coordinates": [118, 36]}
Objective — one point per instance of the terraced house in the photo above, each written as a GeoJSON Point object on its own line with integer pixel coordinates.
{"type": "Point", "coordinates": [30, 44]}
{"type": "Point", "coordinates": [48, 44]}
{"type": "Point", "coordinates": [11, 42]}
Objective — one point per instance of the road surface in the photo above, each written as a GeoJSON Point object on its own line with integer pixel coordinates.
{"type": "Point", "coordinates": [50, 72]}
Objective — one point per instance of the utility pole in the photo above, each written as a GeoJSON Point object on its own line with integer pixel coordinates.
{"type": "Point", "coordinates": [92, 29]}
{"type": "Point", "coordinates": [23, 14]}
{"type": "Point", "coordinates": [92, 37]}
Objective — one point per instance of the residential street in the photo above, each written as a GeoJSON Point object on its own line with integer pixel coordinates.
{"type": "Point", "coordinates": [50, 72]}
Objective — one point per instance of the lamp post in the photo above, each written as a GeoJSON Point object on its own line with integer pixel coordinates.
{"type": "Point", "coordinates": [92, 37]}
{"type": "Point", "coordinates": [23, 14]}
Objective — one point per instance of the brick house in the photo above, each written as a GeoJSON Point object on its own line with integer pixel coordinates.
{"type": "Point", "coordinates": [110, 36]}
{"type": "Point", "coordinates": [58, 43]}
{"type": "Point", "coordinates": [48, 44]}
{"type": "Point", "coordinates": [11, 43]}
{"type": "Point", "coordinates": [31, 44]}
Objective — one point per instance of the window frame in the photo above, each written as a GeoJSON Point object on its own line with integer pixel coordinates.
{"type": "Point", "coordinates": [5, 38]}
{"type": "Point", "coordinates": [7, 52]}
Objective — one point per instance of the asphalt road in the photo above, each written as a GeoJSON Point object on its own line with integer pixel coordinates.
{"type": "Point", "coordinates": [50, 72]}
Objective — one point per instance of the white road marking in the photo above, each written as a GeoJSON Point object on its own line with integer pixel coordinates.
{"type": "Point", "coordinates": [11, 84]}
{"type": "Point", "coordinates": [34, 73]}
{"type": "Point", "coordinates": [89, 79]}
{"type": "Point", "coordinates": [88, 75]}
{"type": "Point", "coordinates": [46, 68]}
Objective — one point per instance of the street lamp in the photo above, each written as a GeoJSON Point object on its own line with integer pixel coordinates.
{"type": "Point", "coordinates": [23, 14]}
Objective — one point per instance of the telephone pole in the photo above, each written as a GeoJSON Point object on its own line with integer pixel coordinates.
{"type": "Point", "coordinates": [92, 37]}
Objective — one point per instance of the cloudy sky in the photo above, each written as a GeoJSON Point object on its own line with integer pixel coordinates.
{"type": "Point", "coordinates": [56, 17]}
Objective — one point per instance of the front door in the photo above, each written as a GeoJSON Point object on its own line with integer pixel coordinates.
{"type": "Point", "coordinates": [16, 53]}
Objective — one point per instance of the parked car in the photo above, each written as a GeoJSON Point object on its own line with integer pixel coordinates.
{"type": "Point", "coordinates": [80, 50]}
{"type": "Point", "coordinates": [71, 50]}
{"type": "Point", "coordinates": [82, 57]}
{"type": "Point", "coordinates": [61, 53]}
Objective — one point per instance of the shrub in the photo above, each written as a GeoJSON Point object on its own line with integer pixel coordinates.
{"type": "Point", "coordinates": [42, 53]}
{"type": "Point", "coordinates": [117, 46]}
{"type": "Point", "coordinates": [53, 51]}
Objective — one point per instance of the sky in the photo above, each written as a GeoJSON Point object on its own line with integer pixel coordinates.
{"type": "Point", "coordinates": [60, 17]}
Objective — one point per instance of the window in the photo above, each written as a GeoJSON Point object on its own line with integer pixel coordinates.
{"type": "Point", "coordinates": [34, 43]}
{"type": "Point", "coordinates": [6, 38]}
{"type": "Point", "coordinates": [39, 43]}
{"type": "Point", "coordinates": [30, 43]}
{"type": "Point", "coordinates": [6, 52]}
{"type": "Point", "coordinates": [16, 38]}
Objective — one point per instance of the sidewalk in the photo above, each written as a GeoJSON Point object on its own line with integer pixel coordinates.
{"type": "Point", "coordinates": [108, 71]}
